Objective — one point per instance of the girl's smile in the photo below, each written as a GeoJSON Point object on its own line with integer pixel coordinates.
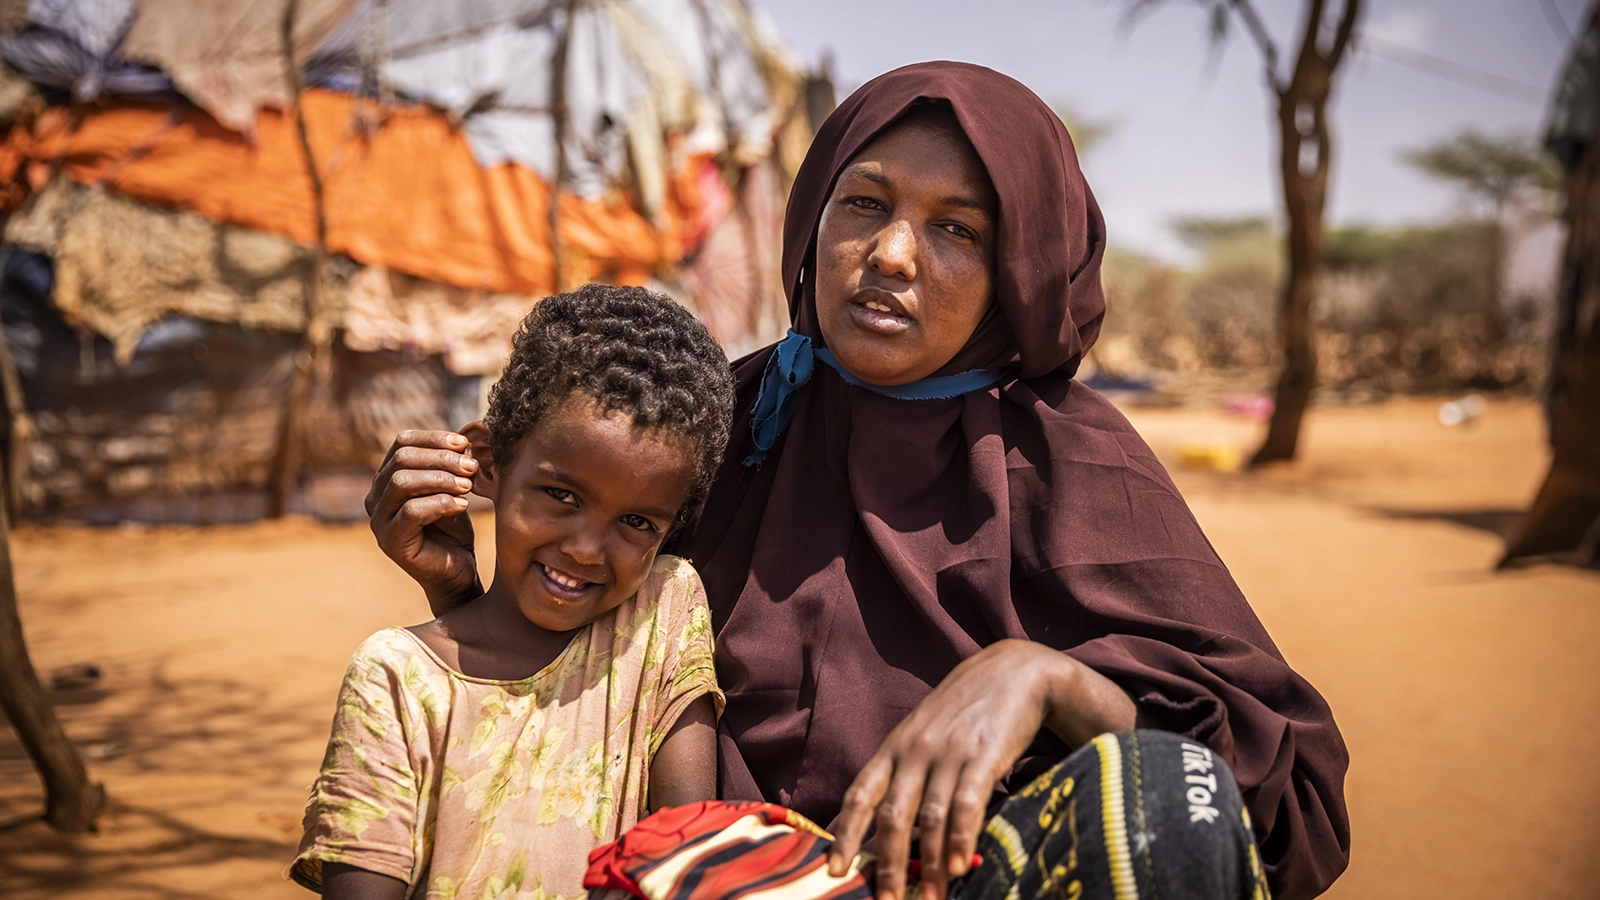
{"type": "Point", "coordinates": [561, 584]}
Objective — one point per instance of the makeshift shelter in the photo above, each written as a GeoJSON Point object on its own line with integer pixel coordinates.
{"type": "Point", "coordinates": [189, 303]}
{"type": "Point", "coordinates": [1563, 523]}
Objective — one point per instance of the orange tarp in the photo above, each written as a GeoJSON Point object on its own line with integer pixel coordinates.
{"type": "Point", "coordinates": [408, 195]}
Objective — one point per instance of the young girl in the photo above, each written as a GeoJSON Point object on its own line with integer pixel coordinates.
{"type": "Point", "coordinates": [483, 754]}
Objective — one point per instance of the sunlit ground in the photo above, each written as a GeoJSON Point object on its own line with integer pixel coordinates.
{"type": "Point", "coordinates": [1470, 700]}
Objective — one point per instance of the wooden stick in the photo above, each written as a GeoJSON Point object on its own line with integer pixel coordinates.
{"type": "Point", "coordinates": [21, 431]}
{"type": "Point", "coordinates": [312, 357]}
{"type": "Point", "coordinates": [72, 802]}
{"type": "Point", "coordinates": [558, 114]}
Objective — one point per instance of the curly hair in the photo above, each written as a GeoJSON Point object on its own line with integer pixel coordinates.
{"type": "Point", "coordinates": [630, 350]}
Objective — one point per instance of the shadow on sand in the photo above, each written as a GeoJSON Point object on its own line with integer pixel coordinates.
{"type": "Point", "coordinates": [214, 758]}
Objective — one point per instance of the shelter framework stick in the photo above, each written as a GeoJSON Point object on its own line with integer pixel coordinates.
{"type": "Point", "coordinates": [312, 357]}
{"type": "Point", "coordinates": [19, 433]}
{"type": "Point", "coordinates": [558, 114]}
{"type": "Point", "coordinates": [72, 802]}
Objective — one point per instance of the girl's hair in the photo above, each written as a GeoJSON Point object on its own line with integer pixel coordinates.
{"type": "Point", "coordinates": [630, 350]}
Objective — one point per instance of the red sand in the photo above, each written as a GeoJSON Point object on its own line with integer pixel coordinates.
{"type": "Point", "coordinates": [1470, 700]}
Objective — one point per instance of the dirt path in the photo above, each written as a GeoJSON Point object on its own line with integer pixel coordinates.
{"type": "Point", "coordinates": [1470, 701]}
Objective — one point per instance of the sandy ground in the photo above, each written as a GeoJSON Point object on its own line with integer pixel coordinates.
{"type": "Point", "coordinates": [1470, 700]}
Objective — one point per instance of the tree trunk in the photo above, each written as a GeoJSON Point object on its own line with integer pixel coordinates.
{"type": "Point", "coordinates": [1566, 511]}
{"type": "Point", "coordinates": [1304, 154]}
{"type": "Point", "coordinates": [1303, 201]}
{"type": "Point", "coordinates": [72, 803]}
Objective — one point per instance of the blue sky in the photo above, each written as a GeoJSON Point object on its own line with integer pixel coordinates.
{"type": "Point", "coordinates": [1192, 138]}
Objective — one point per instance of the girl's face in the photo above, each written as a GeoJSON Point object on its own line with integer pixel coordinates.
{"type": "Point", "coordinates": [905, 252]}
{"type": "Point", "coordinates": [581, 509]}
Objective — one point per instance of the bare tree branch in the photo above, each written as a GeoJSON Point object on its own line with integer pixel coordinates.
{"type": "Point", "coordinates": [1341, 37]}
{"type": "Point", "coordinates": [1263, 38]}
{"type": "Point", "coordinates": [1308, 42]}
{"type": "Point", "coordinates": [1558, 24]}
{"type": "Point", "coordinates": [1135, 11]}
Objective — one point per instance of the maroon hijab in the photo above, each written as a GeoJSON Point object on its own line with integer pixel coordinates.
{"type": "Point", "coordinates": [884, 540]}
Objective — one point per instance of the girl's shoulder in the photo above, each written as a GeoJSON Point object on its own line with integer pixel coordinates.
{"type": "Point", "coordinates": [673, 569]}
{"type": "Point", "coordinates": [394, 649]}
{"type": "Point", "coordinates": [669, 597]}
{"type": "Point", "coordinates": [673, 583]}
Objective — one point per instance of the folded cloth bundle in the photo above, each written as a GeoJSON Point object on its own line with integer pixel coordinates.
{"type": "Point", "coordinates": [716, 850]}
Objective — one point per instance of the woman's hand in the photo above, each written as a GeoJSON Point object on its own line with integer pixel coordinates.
{"type": "Point", "coordinates": [937, 769]}
{"type": "Point", "coordinates": [418, 505]}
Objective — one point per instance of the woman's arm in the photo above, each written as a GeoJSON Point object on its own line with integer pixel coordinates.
{"type": "Point", "coordinates": [685, 766]}
{"type": "Point", "coordinates": [937, 769]}
{"type": "Point", "coordinates": [418, 505]}
{"type": "Point", "coordinates": [343, 882]}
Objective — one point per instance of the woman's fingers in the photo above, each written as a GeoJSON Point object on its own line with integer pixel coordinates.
{"type": "Point", "coordinates": [895, 816]}
{"type": "Point", "coordinates": [969, 808]}
{"type": "Point", "coordinates": [860, 802]}
{"type": "Point", "coordinates": [932, 818]}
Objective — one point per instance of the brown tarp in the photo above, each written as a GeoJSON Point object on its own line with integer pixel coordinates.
{"type": "Point", "coordinates": [470, 329]}
{"type": "Point", "coordinates": [227, 56]}
{"type": "Point", "coordinates": [122, 266]}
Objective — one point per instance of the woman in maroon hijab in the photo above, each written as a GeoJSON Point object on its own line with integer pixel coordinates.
{"type": "Point", "coordinates": [936, 563]}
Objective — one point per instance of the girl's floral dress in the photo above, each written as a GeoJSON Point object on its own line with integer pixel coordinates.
{"type": "Point", "coordinates": [475, 789]}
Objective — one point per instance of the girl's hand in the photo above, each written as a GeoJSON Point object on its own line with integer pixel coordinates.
{"type": "Point", "coordinates": [937, 769]}
{"type": "Point", "coordinates": [418, 505]}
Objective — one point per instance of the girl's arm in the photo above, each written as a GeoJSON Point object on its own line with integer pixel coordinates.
{"type": "Point", "coordinates": [685, 766]}
{"type": "Point", "coordinates": [343, 882]}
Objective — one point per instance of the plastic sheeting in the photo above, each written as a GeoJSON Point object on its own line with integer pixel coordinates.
{"type": "Point", "coordinates": [74, 46]}
{"type": "Point", "coordinates": [635, 70]}
{"type": "Point", "coordinates": [95, 25]}
{"type": "Point", "coordinates": [408, 196]}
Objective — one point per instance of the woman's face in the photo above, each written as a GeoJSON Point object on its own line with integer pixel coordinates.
{"type": "Point", "coordinates": [905, 252]}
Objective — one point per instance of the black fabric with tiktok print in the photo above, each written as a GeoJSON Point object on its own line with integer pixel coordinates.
{"type": "Point", "coordinates": [1140, 815]}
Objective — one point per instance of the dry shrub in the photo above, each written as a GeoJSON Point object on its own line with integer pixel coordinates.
{"type": "Point", "coordinates": [1400, 311]}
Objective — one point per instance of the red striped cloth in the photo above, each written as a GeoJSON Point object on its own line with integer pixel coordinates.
{"type": "Point", "coordinates": [717, 850]}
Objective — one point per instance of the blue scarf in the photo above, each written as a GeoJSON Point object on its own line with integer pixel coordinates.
{"type": "Point", "coordinates": [791, 366]}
